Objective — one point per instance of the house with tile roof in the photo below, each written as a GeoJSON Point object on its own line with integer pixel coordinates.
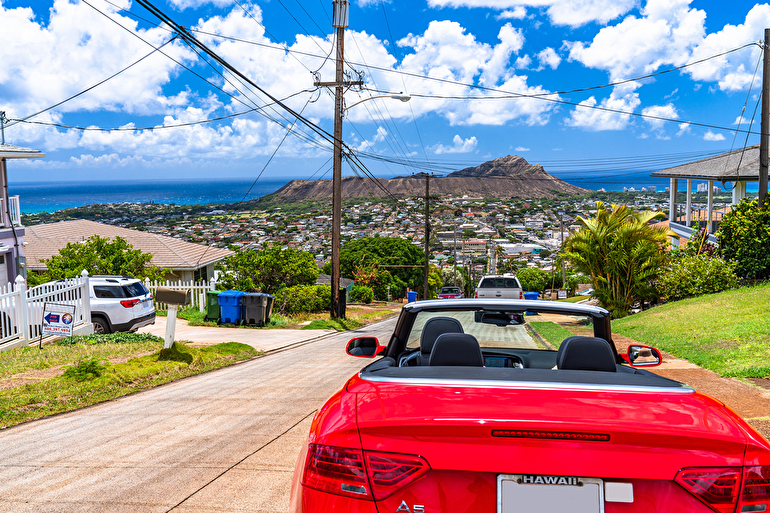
{"type": "Point", "coordinates": [12, 244]}
{"type": "Point", "coordinates": [734, 170]}
{"type": "Point", "coordinates": [186, 260]}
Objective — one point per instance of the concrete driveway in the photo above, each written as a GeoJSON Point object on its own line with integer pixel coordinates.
{"type": "Point", "coordinates": [222, 441]}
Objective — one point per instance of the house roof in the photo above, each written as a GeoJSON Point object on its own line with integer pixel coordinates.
{"type": "Point", "coordinates": [45, 240]}
{"type": "Point", "coordinates": [741, 165]}
{"type": "Point", "coordinates": [9, 151]}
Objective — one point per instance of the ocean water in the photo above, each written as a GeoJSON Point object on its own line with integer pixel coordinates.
{"type": "Point", "coordinates": [52, 196]}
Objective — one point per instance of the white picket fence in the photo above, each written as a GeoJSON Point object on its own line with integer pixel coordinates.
{"type": "Point", "coordinates": [21, 309]}
{"type": "Point", "coordinates": [197, 291]}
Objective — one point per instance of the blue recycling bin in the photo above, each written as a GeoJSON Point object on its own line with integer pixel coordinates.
{"type": "Point", "coordinates": [532, 296]}
{"type": "Point", "coordinates": [230, 302]}
{"type": "Point", "coordinates": [411, 296]}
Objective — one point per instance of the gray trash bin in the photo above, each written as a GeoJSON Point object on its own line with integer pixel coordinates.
{"type": "Point", "coordinates": [269, 307]}
{"type": "Point", "coordinates": [254, 308]}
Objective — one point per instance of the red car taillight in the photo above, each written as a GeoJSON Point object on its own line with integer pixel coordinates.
{"type": "Point", "coordinates": [390, 472]}
{"type": "Point", "coordinates": [336, 470]}
{"type": "Point", "coordinates": [129, 303]}
{"type": "Point", "coordinates": [721, 488]}
{"type": "Point", "coordinates": [756, 489]}
{"type": "Point", "coordinates": [343, 472]}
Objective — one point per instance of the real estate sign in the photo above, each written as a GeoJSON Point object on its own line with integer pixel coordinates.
{"type": "Point", "coordinates": [58, 319]}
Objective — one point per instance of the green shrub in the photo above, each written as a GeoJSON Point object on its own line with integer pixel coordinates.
{"type": "Point", "coordinates": [361, 294]}
{"type": "Point", "coordinates": [109, 338]}
{"type": "Point", "coordinates": [303, 298]}
{"type": "Point", "coordinates": [744, 236]}
{"type": "Point", "coordinates": [693, 275]}
{"type": "Point", "coordinates": [86, 370]}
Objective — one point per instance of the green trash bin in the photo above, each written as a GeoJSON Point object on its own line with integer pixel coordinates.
{"type": "Point", "coordinates": [212, 306]}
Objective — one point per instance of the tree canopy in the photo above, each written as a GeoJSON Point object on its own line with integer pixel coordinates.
{"type": "Point", "coordinates": [621, 252]}
{"type": "Point", "coordinates": [385, 252]}
{"type": "Point", "coordinates": [100, 255]}
{"type": "Point", "coordinates": [267, 270]}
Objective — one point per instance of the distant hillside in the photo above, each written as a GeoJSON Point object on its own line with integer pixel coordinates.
{"type": "Point", "coordinates": [506, 177]}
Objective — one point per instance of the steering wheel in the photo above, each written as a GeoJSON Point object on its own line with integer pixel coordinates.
{"type": "Point", "coordinates": [408, 360]}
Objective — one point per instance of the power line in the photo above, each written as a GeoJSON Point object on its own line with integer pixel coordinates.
{"type": "Point", "coordinates": [93, 86]}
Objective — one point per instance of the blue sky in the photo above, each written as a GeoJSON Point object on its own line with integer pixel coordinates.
{"type": "Point", "coordinates": [536, 54]}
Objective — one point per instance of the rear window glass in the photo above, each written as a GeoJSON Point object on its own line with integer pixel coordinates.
{"type": "Point", "coordinates": [450, 290]}
{"type": "Point", "coordinates": [135, 289]}
{"type": "Point", "coordinates": [500, 283]}
{"type": "Point", "coordinates": [108, 291]}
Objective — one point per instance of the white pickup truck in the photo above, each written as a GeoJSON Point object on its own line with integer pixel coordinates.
{"type": "Point", "coordinates": [505, 286]}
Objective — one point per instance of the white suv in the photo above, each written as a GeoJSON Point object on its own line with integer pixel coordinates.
{"type": "Point", "coordinates": [120, 303]}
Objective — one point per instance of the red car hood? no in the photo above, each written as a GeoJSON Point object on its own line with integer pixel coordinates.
{"type": "Point", "coordinates": [652, 435]}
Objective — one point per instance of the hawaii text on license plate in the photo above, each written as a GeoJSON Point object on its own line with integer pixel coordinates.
{"type": "Point", "coordinates": [534, 493]}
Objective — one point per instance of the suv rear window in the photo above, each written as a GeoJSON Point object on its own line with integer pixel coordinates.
{"type": "Point", "coordinates": [500, 283]}
{"type": "Point", "coordinates": [108, 291]}
{"type": "Point", "coordinates": [135, 289]}
{"type": "Point", "coordinates": [118, 291]}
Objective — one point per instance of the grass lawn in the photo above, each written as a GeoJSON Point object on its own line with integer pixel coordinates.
{"type": "Point", "coordinates": [574, 299]}
{"type": "Point", "coordinates": [357, 316]}
{"type": "Point", "coordinates": [550, 331]}
{"type": "Point", "coordinates": [728, 332]}
{"type": "Point", "coordinates": [87, 370]}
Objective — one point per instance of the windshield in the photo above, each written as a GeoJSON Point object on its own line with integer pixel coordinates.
{"type": "Point", "coordinates": [500, 283]}
{"type": "Point", "coordinates": [450, 290]}
{"type": "Point", "coordinates": [509, 329]}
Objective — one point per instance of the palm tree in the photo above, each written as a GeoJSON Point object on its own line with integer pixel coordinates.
{"type": "Point", "coordinates": [499, 254]}
{"type": "Point", "coordinates": [621, 252]}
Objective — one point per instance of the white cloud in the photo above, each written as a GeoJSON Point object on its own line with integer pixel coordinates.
{"type": "Point", "coordinates": [659, 111]}
{"type": "Point", "coordinates": [684, 128]}
{"type": "Point", "coordinates": [664, 35]}
{"type": "Point", "coordinates": [522, 148]}
{"type": "Point", "coordinates": [711, 136]}
{"type": "Point", "coordinates": [622, 98]}
{"type": "Point", "coordinates": [447, 51]}
{"type": "Point", "coordinates": [458, 146]}
{"type": "Point", "coordinates": [572, 13]}
{"type": "Point", "coordinates": [518, 12]}
{"type": "Point", "coordinates": [671, 33]}
{"type": "Point", "coordinates": [44, 64]}
{"type": "Point", "coordinates": [193, 4]}
{"type": "Point", "coordinates": [548, 58]}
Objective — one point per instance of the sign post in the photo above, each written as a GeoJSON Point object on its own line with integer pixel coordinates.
{"type": "Point", "coordinates": [58, 320]}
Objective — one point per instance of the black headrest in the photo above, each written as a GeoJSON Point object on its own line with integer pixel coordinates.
{"type": "Point", "coordinates": [586, 353]}
{"type": "Point", "coordinates": [435, 327]}
{"type": "Point", "coordinates": [456, 349]}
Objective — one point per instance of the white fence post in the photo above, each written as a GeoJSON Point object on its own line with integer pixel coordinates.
{"type": "Point", "coordinates": [21, 304]}
{"type": "Point", "coordinates": [85, 294]}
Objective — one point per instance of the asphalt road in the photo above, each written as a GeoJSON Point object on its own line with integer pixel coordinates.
{"type": "Point", "coordinates": [223, 441]}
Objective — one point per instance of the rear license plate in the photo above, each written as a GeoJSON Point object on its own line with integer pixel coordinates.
{"type": "Point", "coordinates": [517, 493]}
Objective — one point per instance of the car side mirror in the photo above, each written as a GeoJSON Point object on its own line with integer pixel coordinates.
{"type": "Point", "coordinates": [643, 356]}
{"type": "Point", "coordinates": [365, 347]}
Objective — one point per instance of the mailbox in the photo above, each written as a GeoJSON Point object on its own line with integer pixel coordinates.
{"type": "Point", "coordinates": [173, 297]}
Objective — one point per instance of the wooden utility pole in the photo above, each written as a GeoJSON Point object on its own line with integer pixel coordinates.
{"type": "Point", "coordinates": [765, 128]}
{"type": "Point", "coordinates": [427, 235]}
{"type": "Point", "coordinates": [454, 248]}
{"type": "Point", "coordinates": [340, 22]}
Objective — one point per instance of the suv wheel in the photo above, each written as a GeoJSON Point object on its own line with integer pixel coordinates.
{"type": "Point", "coordinates": [100, 326]}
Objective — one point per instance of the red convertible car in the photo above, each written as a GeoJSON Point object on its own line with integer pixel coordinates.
{"type": "Point", "coordinates": [470, 410]}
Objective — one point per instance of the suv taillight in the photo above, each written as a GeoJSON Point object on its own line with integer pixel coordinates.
{"type": "Point", "coordinates": [129, 303]}
{"type": "Point", "coordinates": [721, 488]}
{"type": "Point", "coordinates": [343, 471]}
